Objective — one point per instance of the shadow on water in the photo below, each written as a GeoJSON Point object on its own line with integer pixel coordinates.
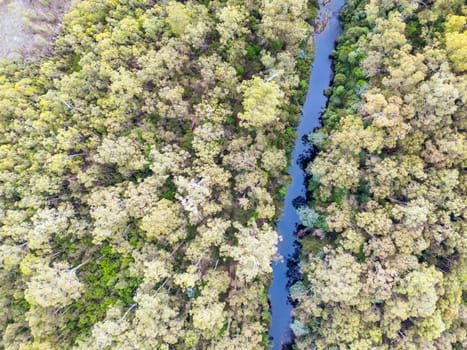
{"type": "Point", "coordinates": [287, 272]}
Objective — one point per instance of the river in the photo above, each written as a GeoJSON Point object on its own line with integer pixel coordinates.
{"type": "Point", "coordinates": [321, 76]}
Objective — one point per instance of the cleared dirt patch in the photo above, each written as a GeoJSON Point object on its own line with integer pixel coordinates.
{"type": "Point", "coordinates": [28, 27]}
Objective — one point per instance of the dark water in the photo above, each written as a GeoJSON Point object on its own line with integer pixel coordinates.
{"type": "Point", "coordinates": [321, 75]}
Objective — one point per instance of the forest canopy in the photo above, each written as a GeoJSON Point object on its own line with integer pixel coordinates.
{"type": "Point", "coordinates": [143, 162]}
{"type": "Point", "coordinates": [384, 266]}
{"type": "Point", "coordinates": [142, 165]}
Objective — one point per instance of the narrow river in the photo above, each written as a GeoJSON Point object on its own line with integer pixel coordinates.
{"type": "Point", "coordinates": [321, 76]}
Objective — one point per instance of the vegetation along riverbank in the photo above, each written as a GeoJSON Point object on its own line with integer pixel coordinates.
{"type": "Point", "coordinates": [384, 266]}
{"type": "Point", "coordinates": [142, 164]}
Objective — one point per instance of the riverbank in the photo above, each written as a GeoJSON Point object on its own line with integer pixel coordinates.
{"type": "Point", "coordinates": [142, 169]}
{"type": "Point", "coordinates": [382, 260]}
{"type": "Point", "coordinates": [295, 197]}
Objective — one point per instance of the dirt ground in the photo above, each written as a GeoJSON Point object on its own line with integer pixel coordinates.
{"type": "Point", "coordinates": [28, 27]}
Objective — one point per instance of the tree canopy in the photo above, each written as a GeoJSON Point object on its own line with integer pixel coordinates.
{"type": "Point", "coordinates": [141, 164]}
{"type": "Point", "coordinates": [384, 266]}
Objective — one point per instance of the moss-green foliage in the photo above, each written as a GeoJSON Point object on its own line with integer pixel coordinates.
{"type": "Point", "coordinates": [107, 282]}
{"type": "Point", "coordinates": [347, 74]}
{"type": "Point", "coordinates": [311, 245]}
{"type": "Point", "coordinates": [169, 190]}
{"type": "Point", "coordinates": [75, 66]}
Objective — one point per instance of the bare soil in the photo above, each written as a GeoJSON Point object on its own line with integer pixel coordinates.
{"type": "Point", "coordinates": [28, 27]}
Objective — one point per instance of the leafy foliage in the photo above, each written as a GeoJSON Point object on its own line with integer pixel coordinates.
{"type": "Point", "coordinates": [141, 164]}
{"type": "Point", "coordinates": [387, 270]}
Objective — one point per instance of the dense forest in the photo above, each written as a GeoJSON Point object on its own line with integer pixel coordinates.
{"type": "Point", "coordinates": [142, 165]}
{"type": "Point", "coordinates": [384, 261]}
